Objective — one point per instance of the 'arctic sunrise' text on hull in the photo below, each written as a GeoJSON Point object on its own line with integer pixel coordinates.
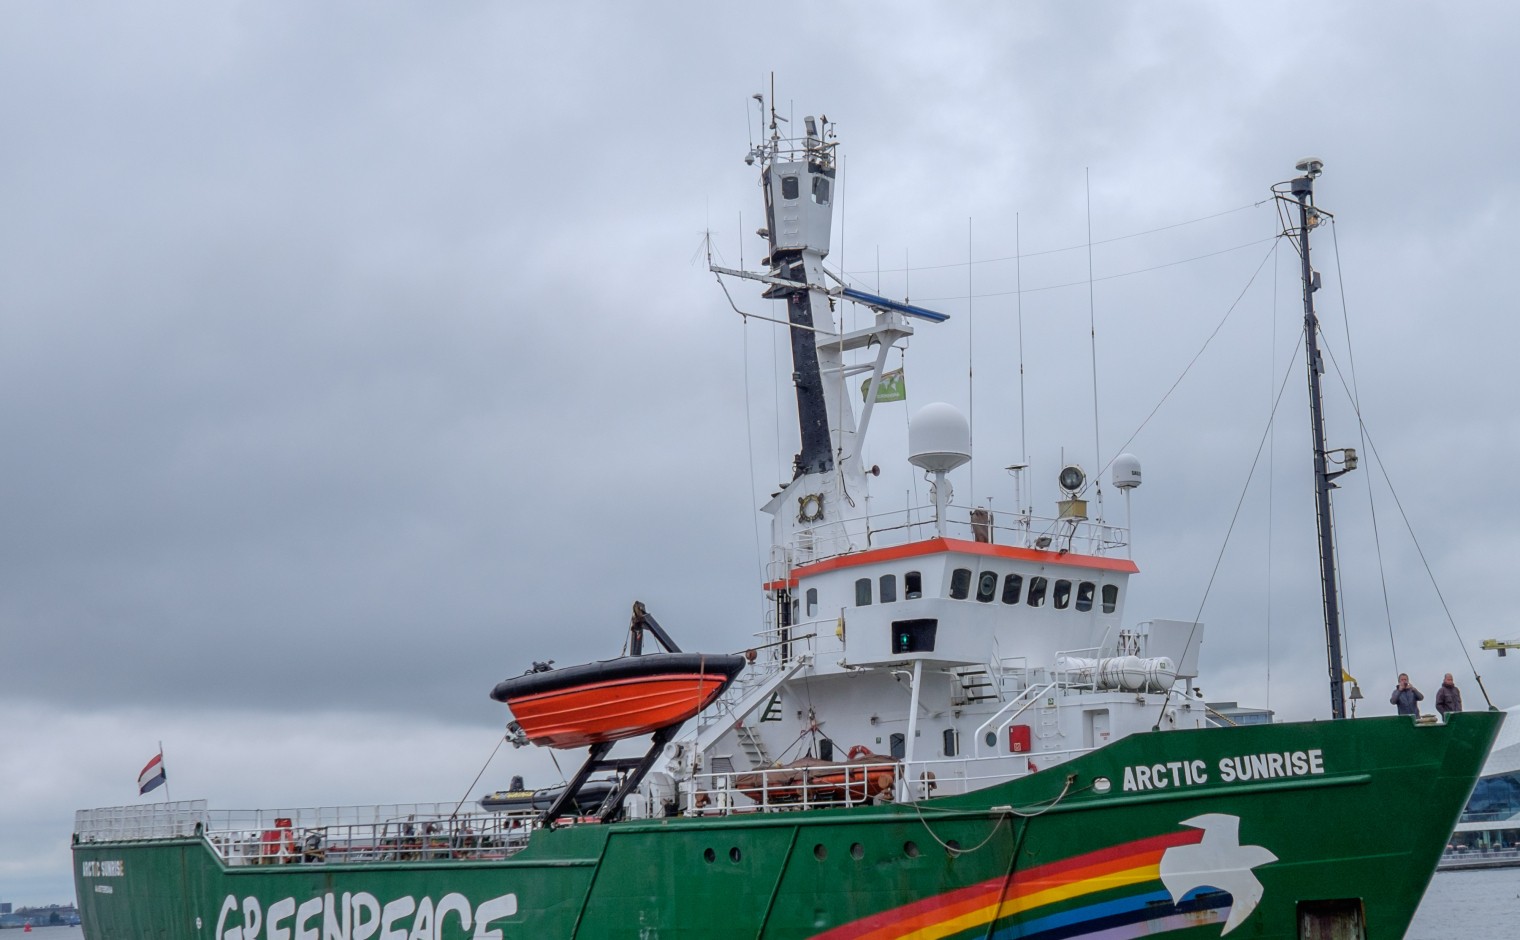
{"type": "Point", "coordinates": [1182, 773]}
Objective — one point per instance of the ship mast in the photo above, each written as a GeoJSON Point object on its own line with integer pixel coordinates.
{"type": "Point", "coordinates": [1302, 189]}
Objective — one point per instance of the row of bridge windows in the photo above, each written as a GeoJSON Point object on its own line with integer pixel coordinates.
{"type": "Point", "coordinates": [1010, 589]}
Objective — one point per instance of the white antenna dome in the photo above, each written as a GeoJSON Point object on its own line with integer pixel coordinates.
{"type": "Point", "coordinates": [939, 438]}
{"type": "Point", "coordinates": [1126, 471]}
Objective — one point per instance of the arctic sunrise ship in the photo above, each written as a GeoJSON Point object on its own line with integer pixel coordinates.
{"type": "Point", "coordinates": [946, 729]}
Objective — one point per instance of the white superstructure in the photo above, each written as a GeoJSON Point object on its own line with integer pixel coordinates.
{"type": "Point", "coordinates": [954, 646]}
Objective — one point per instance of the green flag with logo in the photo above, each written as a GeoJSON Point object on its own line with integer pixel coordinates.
{"type": "Point", "coordinates": [893, 387]}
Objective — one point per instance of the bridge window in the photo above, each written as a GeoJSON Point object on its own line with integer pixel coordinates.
{"type": "Point", "coordinates": [1012, 586]}
{"type": "Point", "coordinates": [1062, 594]}
{"type": "Point", "coordinates": [960, 583]}
{"type": "Point", "coordinates": [812, 602]}
{"type": "Point", "coordinates": [1085, 592]}
{"type": "Point", "coordinates": [913, 586]}
{"type": "Point", "coordinates": [1110, 598]}
{"type": "Point", "coordinates": [863, 592]}
{"type": "Point", "coordinates": [888, 588]}
{"type": "Point", "coordinates": [788, 187]}
{"type": "Point", "coordinates": [821, 190]}
{"type": "Point", "coordinates": [1037, 587]}
{"type": "Point", "coordinates": [986, 586]}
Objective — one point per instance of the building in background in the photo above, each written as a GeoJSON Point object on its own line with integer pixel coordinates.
{"type": "Point", "coordinates": [1233, 713]}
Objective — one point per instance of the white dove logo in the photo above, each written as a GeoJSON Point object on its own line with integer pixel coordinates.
{"type": "Point", "coordinates": [1219, 861]}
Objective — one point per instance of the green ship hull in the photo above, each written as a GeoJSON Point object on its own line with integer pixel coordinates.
{"type": "Point", "coordinates": [1251, 832]}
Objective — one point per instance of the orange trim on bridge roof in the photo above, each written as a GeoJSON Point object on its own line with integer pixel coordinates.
{"type": "Point", "coordinates": [937, 546]}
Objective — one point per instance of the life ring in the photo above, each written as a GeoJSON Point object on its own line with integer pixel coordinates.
{"type": "Point", "coordinates": [810, 507]}
{"type": "Point", "coordinates": [859, 751]}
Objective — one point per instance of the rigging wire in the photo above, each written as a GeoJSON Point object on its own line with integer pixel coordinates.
{"type": "Point", "coordinates": [1356, 404]}
{"type": "Point", "coordinates": [1271, 467]}
{"type": "Point", "coordinates": [500, 740]}
{"type": "Point", "coordinates": [1408, 525]}
{"type": "Point", "coordinates": [1246, 488]}
{"type": "Point", "coordinates": [1109, 277]}
{"type": "Point", "coordinates": [1017, 255]}
{"type": "Point", "coordinates": [970, 371]}
{"type": "Point", "coordinates": [1092, 333]}
{"type": "Point", "coordinates": [1196, 356]}
{"type": "Point", "coordinates": [749, 443]}
{"type": "Point", "coordinates": [1340, 579]}
{"type": "Point", "coordinates": [1019, 284]}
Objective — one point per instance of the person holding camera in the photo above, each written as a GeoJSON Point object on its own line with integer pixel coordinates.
{"type": "Point", "coordinates": [1406, 696]}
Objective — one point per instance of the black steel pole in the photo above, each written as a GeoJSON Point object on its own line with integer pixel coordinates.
{"type": "Point", "coordinates": [1303, 189]}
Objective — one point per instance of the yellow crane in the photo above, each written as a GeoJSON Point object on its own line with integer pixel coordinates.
{"type": "Point", "coordinates": [1503, 646]}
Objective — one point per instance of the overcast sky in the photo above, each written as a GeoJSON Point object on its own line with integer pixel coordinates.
{"type": "Point", "coordinates": [355, 355]}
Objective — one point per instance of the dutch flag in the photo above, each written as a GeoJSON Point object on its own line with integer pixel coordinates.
{"type": "Point", "coordinates": [152, 776]}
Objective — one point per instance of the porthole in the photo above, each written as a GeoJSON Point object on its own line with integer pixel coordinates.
{"type": "Point", "coordinates": [910, 849]}
{"type": "Point", "coordinates": [820, 852]}
{"type": "Point", "coordinates": [734, 854]}
{"type": "Point", "coordinates": [857, 851]}
{"type": "Point", "coordinates": [992, 739]}
{"type": "Point", "coordinates": [986, 586]}
{"type": "Point", "coordinates": [710, 856]}
{"type": "Point", "coordinates": [953, 847]}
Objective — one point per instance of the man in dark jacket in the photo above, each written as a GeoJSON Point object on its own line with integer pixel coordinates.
{"type": "Point", "coordinates": [1448, 697]}
{"type": "Point", "coordinates": [1406, 696]}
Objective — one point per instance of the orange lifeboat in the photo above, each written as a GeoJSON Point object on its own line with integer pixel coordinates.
{"type": "Point", "coordinates": [596, 703]}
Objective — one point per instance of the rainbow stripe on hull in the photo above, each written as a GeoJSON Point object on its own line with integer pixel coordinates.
{"type": "Point", "coordinates": [1112, 894]}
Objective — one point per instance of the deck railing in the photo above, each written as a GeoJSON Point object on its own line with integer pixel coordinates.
{"type": "Point", "coordinates": [403, 832]}
{"type": "Point", "coordinates": [878, 530]}
{"type": "Point", "coordinates": [431, 832]}
{"type": "Point", "coordinates": [411, 838]}
{"type": "Point", "coordinates": [820, 786]}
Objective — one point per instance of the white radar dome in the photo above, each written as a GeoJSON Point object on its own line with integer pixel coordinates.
{"type": "Point", "coordinates": [1126, 471]}
{"type": "Point", "coordinates": [939, 438]}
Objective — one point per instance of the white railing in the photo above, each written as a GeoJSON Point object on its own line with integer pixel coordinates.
{"type": "Point", "coordinates": [428, 832]}
{"type": "Point", "coordinates": [143, 821]}
{"type": "Point", "coordinates": [902, 526]}
{"type": "Point", "coordinates": [1032, 693]}
{"type": "Point", "coordinates": [401, 832]}
{"type": "Point", "coordinates": [821, 786]}
{"type": "Point", "coordinates": [412, 838]}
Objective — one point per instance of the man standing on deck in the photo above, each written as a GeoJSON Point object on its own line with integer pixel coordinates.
{"type": "Point", "coordinates": [1406, 696]}
{"type": "Point", "coordinates": [1448, 698]}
